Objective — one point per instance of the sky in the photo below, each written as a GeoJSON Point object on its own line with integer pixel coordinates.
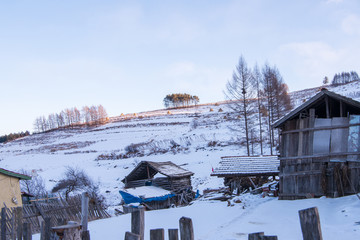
{"type": "Point", "coordinates": [128, 55]}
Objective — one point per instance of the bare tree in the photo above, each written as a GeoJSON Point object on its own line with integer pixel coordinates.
{"type": "Point", "coordinates": [76, 180]}
{"type": "Point", "coordinates": [240, 92]}
{"type": "Point", "coordinates": [277, 99]}
{"type": "Point", "coordinates": [102, 114]}
{"type": "Point", "coordinates": [35, 186]}
{"type": "Point", "coordinates": [257, 83]}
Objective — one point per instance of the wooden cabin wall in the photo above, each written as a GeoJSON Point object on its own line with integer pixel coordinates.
{"type": "Point", "coordinates": [303, 174]}
{"type": "Point", "coordinates": [162, 182]}
{"type": "Point", "coordinates": [173, 184]}
{"type": "Point", "coordinates": [179, 184]}
{"type": "Point", "coordinates": [300, 178]}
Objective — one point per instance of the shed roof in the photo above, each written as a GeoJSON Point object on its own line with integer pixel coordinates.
{"type": "Point", "coordinates": [146, 169]}
{"type": "Point", "coordinates": [247, 166]}
{"type": "Point", "coordinates": [14, 174]}
{"type": "Point", "coordinates": [314, 101]}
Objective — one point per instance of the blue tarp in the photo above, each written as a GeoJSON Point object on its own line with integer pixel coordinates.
{"type": "Point", "coordinates": [128, 198]}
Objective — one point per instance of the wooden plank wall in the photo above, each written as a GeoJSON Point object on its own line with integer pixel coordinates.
{"type": "Point", "coordinates": [304, 175]}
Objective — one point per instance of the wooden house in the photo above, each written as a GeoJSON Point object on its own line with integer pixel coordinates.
{"type": "Point", "coordinates": [165, 175]}
{"type": "Point", "coordinates": [320, 148]}
{"type": "Point", "coordinates": [10, 194]}
{"type": "Point", "coordinates": [243, 172]}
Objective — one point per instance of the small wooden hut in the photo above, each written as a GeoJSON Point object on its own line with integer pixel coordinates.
{"type": "Point", "coordinates": [165, 175]}
{"type": "Point", "coordinates": [320, 148]}
{"type": "Point", "coordinates": [244, 172]}
{"type": "Point", "coordinates": [173, 177]}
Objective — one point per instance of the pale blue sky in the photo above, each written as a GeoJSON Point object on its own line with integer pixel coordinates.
{"type": "Point", "coordinates": [127, 55]}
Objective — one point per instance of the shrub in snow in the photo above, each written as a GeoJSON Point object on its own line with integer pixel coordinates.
{"type": "Point", "coordinates": [75, 181]}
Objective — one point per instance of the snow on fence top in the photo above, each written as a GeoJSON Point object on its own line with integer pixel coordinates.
{"type": "Point", "coordinates": [247, 166]}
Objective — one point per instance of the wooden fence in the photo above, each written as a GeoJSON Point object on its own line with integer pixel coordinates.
{"type": "Point", "coordinates": [13, 220]}
{"type": "Point", "coordinates": [309, 221]}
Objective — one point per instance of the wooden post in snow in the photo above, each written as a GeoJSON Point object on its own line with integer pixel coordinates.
{"type": "Point", "coordinates": [255, 236]}
{"type": "Point", "coordinates": [157, 234]}
{"type": "Point", "coordinates": [85, 235]}
{"type": "Point", "coordinates": [131, 236]}
{"type": "Point", "coordinates": [27, 234]}
{"type": "Point", "coordinates": [310, 224]}
{"type": "Point", "coordinates": [268, 238]}
{"type": "Point", "coordinates": [173, 234]}
{"type": "Point", "coordinates": [46, 229]}
{"type": "Point", "coordinates": [18, 220]}
{"type": "Point", "coordinates": [138, 222]}
{"type": "Point", "coordinates": [186, 229]}
{"type": "Point", "coordinates": [3, 223]}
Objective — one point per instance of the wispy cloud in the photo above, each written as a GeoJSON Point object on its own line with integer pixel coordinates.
{"type": "Point", "coordinates": [351, 25]}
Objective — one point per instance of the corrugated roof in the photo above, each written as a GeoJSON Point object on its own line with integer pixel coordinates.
{"type": "Point", "coordinates": [14, 174]}
{"type": "Point", "coordinates": [247, 166]}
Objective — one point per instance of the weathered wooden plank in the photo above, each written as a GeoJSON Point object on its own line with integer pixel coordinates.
{"type": "Point", "coordinates": [18, 222]}
{"type": "Point", "coordinates": [84, 211]}
{"type": "Point", "coordinates": [310, 224]}
{"type": "Point", "coordinates": [255, 236]}
{"type": "Point", "coordinates": [186, 229]}
{"type": "Point", "coordinates": [173, 234]}
{"type": "Point", "coordinates": [131, 236]}
{"type": "Point", "coordinates": [3, 224]}
{"type": "Point", "coordinates": [268, 238]}
{"type": "Point", "coordinates": [157, 234]}
{"type": "Point", "coordinates": [138, 222]}
{"type": "Point", "coordinates": [27, 234]}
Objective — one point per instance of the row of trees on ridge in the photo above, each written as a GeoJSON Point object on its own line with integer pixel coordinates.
{"type": "Point", "coordinates": [70, 117]}
{"type": "Point", "coordinates": [345, 77]}
{"type": "Point", "coordinates": [13, 136]}
{"type": "Point", "coordinates": [261, 92]}
{"type": "Point", "coordinates": [180, 100]}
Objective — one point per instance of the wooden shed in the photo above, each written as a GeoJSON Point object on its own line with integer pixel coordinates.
{"type": "Point", "coordinates": [10, 193]}
{"type": "Point", "coordinates": [320, 148]}
{"type": "Point", "coordinates": [246, 171]}
{"type": "Point", "coordinates": [172, 177]}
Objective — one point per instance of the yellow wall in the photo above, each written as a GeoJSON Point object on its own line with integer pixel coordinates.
{"type": "Point", "coordinates": [9, 189]}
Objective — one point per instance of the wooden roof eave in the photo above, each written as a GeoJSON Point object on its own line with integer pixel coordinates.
{"type": "Point", "coordinates": [14, 174]}
{"type": "Point", "coordinates": [312, 101]}
{"type": "Point", "coordinates": [244, 174]}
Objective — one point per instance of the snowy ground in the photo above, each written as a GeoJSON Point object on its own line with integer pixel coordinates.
{"type": "Point", "coordinates": [215, 220]}
{"type": "Point", "coordinates": [203, 136]}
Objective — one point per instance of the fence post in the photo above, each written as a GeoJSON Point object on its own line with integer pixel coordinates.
{"type": "Point", "coordinates": [85, 235]}
{"type": "Point", "coordinates": [46, 229]}
{"type": "Point", "coordinates": [18, 220]}
{"type": "Point", "coordinates": [131, 236]}
{"type": "Point", "coordinates": [138, 222]}
{"type": "Point", "coordinates": [173, 234]}
{"type": "Point", "coordinates": [310, 224]}
{"type": "Point", "coordinates": [268, 238]}
{"type": "Point", "coordinates": [27, 234]}
{"type": "Point", "coordinates": [157, 234]}
{"type": "Point", "coordinates": [186, 229]}
{"type": "Point", "coordinates": [3, 223]}
{"type": "Point", "coordinates": [255, 236]}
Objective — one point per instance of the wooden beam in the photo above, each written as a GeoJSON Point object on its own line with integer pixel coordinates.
{"type": "Point", "coordinates": [341, 109]}
{"type": "Point", "coordinates": [309, 129]}
{"type": "Point", "coordinates": [327, 107]}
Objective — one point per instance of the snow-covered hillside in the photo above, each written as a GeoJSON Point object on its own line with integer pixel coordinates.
{"type": "Point", "coordinates": [194, 138]}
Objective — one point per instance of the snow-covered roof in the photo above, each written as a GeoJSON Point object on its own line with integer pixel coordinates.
{"type": "Point", "coordinates": [147, 170]}
{"type": "Point", "coordinates": [147, 192]}
{"type": "Point", "coordinates": [247, 166]}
